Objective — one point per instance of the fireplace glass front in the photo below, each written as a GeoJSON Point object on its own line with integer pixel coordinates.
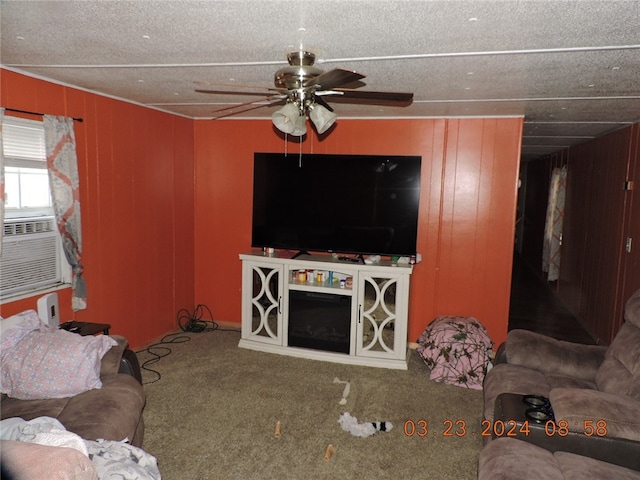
{"type": "Point", "coordinates": [320, 321]}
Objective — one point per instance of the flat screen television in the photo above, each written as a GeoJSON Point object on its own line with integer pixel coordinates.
{"type": "Point", "coordinates": [353, 204]}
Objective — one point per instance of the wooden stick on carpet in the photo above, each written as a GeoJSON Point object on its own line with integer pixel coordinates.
{"type": "Point", "coordinates": [328, 453]}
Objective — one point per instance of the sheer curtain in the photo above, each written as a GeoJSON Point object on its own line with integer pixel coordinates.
{"type": "Point", "coordinates": [62, 164]}
{"type": "Point", "coordinates": [553, 226]}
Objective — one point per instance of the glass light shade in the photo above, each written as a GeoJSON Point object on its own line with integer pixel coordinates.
{"type": "Point", "coordinates": [322, 118]}
{"type": "Point", "coordinates": [301, 126]}
{"type": "Point", "coordinates": [286, 119]}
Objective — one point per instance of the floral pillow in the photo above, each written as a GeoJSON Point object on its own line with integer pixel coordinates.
{"type": "Point", "coordinates": [39, 363]}
{"type": "Point", "coordinates": [12, 329]}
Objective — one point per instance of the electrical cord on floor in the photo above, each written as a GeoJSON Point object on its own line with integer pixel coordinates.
{"type": "Point", "coordinates": [189, 322]}
{"type": "Point", "coordinates": [196, 323]}
{"type": "Point", "coordinates": [193, 322]}
{"type": "Point", "coordinates": [159, 351]}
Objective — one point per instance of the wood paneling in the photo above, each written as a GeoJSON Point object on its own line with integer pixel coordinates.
{"type": "Point", "coordinates": [136, 190]}
{"type": "Point", "coordinates": [467, 208]}
{"type": "Point", "coordinates": [631, 260]}
{"type": "Point", "coordinates": [597, 219]}
{"type": "Point", "coordinates": [156, 241]}
{"type": "Point", "coordinates": [477, 222]}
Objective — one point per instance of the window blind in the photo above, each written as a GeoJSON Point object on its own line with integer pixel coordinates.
{"type": "Point", "coordinates": [23, 143]}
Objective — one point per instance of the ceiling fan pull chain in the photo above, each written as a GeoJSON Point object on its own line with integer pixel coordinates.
{"type": "Point", "coordinates": [300, 157]}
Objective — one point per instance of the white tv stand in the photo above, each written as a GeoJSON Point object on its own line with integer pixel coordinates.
{"type": "Point", "coordinates": [374, 305]}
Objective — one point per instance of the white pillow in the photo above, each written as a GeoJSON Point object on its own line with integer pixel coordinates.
{"type": "Point", "coordinates": [12, 329]}
{"type": "Point", "coordinates": [40, 364]}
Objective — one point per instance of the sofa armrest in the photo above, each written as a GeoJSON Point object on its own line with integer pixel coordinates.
{"type": "Point", "coordinates": [111, 360]}
{"type": "Point", "coordinates": [501, 355]}
{"type": "Point", "coordinates": [129, 364]}
{"type": "Point", "coordinates": [549, 355]}
{"type": "Point", "coordinates": [597, 413]}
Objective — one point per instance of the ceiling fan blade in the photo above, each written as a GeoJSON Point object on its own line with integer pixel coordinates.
{"type": "Point", "coordinates": [320, 101]}
{"type": "Point", "coordinates": [333, 78]}
{"type": "Point", "coordinates": [229, 92]}
{"type": "Point", "coordinates": [236, 85]}
{"type": "Point", "coordinates": [247, 108]}
{"type": "Point", "coordinates": [401, 97]}
{"type": "Point", "coordinates": [237, 108]}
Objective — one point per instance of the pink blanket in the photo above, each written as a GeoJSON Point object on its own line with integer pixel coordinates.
{"type": "Point", "coordinates": [31, 461]}
{"type": "Point", "coordinates": [457, 350]}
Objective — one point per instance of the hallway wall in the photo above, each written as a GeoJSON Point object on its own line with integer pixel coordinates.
{"type": "Point", "coordinates": [597, 274]}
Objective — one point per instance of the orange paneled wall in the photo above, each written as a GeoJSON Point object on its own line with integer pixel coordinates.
{"type": "Point", "coordinates": [136, 191]}
{"type": "Point", "coordinates": [477, 221]}
{"type": "Point", "coordinates": [467, 208]}
{"type": "Point", "coordinates": [153, 244]}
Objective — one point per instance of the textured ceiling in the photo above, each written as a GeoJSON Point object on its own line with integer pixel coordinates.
{"type": "Point", "coordinates": [572, 68]}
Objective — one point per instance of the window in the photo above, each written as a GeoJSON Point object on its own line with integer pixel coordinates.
{"type": "Point", "coordinates": [32, 257]}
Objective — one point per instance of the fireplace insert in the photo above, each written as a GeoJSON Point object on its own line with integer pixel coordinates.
{"type": "Point", "coordinates": [320, 321]}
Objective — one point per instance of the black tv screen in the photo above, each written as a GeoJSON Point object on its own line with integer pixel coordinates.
{"type": "Point", "coordinates": [357, 204]}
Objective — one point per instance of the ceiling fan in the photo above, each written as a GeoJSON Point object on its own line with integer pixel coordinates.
{"type": "Point", "coordinates": [305, 89]}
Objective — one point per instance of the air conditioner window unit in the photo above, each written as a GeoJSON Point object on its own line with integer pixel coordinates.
{"type": "Point", "coordinates": [30, 255]}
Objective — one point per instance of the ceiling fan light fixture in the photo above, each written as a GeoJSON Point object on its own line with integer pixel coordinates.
{"type": "Point", "coordinates": [321, 117]}
{"type": "Point", "coordinates": [301, 126]}
{"type": "Point", "coordinates": [286, 119]}
{"type": "Point", "coordinates": [303, 87]}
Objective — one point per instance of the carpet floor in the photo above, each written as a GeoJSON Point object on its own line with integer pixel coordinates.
{"type": "Point", "coordinates": [212, 409]}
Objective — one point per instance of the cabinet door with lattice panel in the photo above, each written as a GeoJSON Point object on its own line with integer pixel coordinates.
{"type": "Point", "coordinates": [381, 330]}
{"type": "Point", "coordinates": [262, 312]}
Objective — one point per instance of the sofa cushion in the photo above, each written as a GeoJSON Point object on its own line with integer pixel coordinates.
{"type": "Point", "coordinates": [560, 381]}
{"type": "Point", "coordinates": [511, 459]}
{"type": "Point", "coordinates": [632, 309]}
{"type": "Point", "coordinates": [549, 355]}
{"type": "Point", "coordinates": [620, 372]}
{"type": "Point", "coordinates": [578, 467]}
{"type": "Point", "coordinates": [30, 409]}
{"type": "Point", "coordinates": [112, 413]}
{"type": "Point", "coordinates": [617, 414]}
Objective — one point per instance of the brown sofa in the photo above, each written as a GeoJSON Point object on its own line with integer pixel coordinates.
{"type": "Point", "coordinates": [113, 412]}
{"type": "Point", "coordinates": [592, 393]}
{"type": "Point", "coordinates": [513, 459]}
